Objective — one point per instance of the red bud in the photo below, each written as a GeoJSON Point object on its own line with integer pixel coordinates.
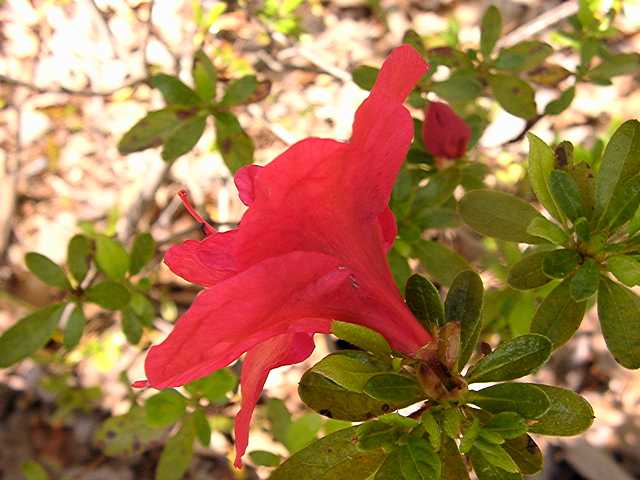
{"type": "Point", "coordinates": [445, 133]}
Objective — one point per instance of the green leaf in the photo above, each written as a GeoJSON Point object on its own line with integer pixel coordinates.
{"type": "Point", "coordinates": [177, 454]}
{"type": "Point", "coordinates": [566, 194]}
{"type": "Point", "coordinates": [418, 460]}
{"type": "Point", "coordinates": [500, 215]}
{"type": "Point", "coordinates": [234, 144]}
{"type": "Point", "coordinates": [264, 458]}
{"type": "Point", "coordinates": [619, 313]}
{"type": "Point", "coordinates": [560, 104]}
{"type": "Point", "coordinates": [439, 189]}
{"type": "Point", "coordinates": [202, 428]}
{"type": "Point", "coordinates": [351, 369]}
{"type": "Point", "coordinates": [461, 86]}
{"type": "Point", "coordinates": [174, 90]}
{"type": "Point", "coordinates": [29, 334]}
{"type": "Point", "coordinates": [46, 270]}
{"type": "Point", "coordinates": [527, 273]}
{"type": "Point", "coordinates": [424, 302]}
{"type": "Point", "coordinates": [280, 419]}
{"type": "Point", "coordinates": [514, 95]}
{"type": "Point", "coordinates": [453, 466]}
{"type": "Point", "coordinates": [74, 327]}
{"type": "Point", "coordinates": [525, 453]}
{"type": "Point", "coordinates": [624, 204]}
{"type": "Point", "coordinates": [109, 295]}
{"type": "Point", "coordinates": [365, 76]}
{"type": "Point", "coordinates": [111, 257]}
{"type": "Point", "coordinates": [450, 57]}
{"type": "Point", "coordinates": [303, 431]}
{"type": "Point", "coordinates": [560, 263]}
{"type": "Point", "coordinates": [625, 268]}
{"type": "Point", "coordinates": [543, 228]}
{"type": "Point", "coordinates": [584, 283]}
{"type": "Point", "coordinates": [451, 421]}
{"type": "Point", "coordinates": [362, 337]}
{"type": "Point", "coordinates": [142, 251]}
{"type": "Point", "coordinates": [514, 358]}
{"type": "Point", "coordinates": [79, 256]}
{"type": "Point", "coordinates": [548, 74]}
{"type": "Point", "coordinates": [541, 163]}
{"type": "Point", "coordinates": [184, 137]}
{"type": "Point", "coordinates": [569, 414]}
{"type": "Point", "coordinates": [524, 55]}
{"type": "Point", "coordinates": [204, 76]}
{"type": "Point", "coordinates": [620, 161]}
{"type": "Point", "coordinates": [440, 262]}
{"type": "Point", "coordinates": [164, 408]}
{"type": "Point", "coordinates": [430, 424]}
{"type": "Point", "coordinates": [485, 470]}
{"type": "Point", "coordinates": [131, 326]}
{"type": "Point", "coordinates": [470, 436]}
{"type": "Point", "coordinates": [333, 457]}
{"type": "Point", "coordinates": [239, 91]}
{"type": "Point", "coordinates": [411, 37]}
{"type": "Point", "coordinates": [620, 64]}
{"type": "Point", "coordinates": [525, 399]}
{"type": "Point", "coordinates": [463, 304]}
{"type": "Point", "coordinates": [143, 308]}
{"type": "Point", "coordinates": [127, 435]}
{"type": "Point", "coordinates": [378, 434]}
{"type": "Point", "coordinates": [215, 386]}
{"type": "Point", "coordinates": [395, 388]}
{"type": "Point", "coordinates": [495, 455]}
{"type": "Point", "coordinates": [507, 425]}
{"type": "Point", "coordinates": [559, 315]}
{"type": "Point", "coordinates": [490, 30]}
{"type": "Point", "coordinates": [32, 470]}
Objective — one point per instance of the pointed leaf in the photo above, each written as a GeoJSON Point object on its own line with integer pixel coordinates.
{"type": "Point", "coordinates": [184, 137]}
{"type": "Point", "coordinates": [264, 458]}
{"type": "Point", "coordinates": [525, 399]}
{"type": "Point", "coordinates": [490, 30]}
{"type": "Point", "coordinates": [526, 453]}
{"type": "Point", "coordinates": [584, 283]}
{"type": "Point", "coordinates": [625, 268]}
{"type": "Point", "coordinates": [543, 228]}
{"type": "Point", "coordinates": [143, 249]}
{"type": "Point", "coordinates": [239, 91]}
{"type": "Point", "coordinates": [507, 424]}
{"type": "Point", "coordinates": [46, 270]}
{"type": "Point", "coordinates": [365, 76]}
{"type": "Point", "coordinates": [204, 76]}
{"type": "Point", "coordinates": [453, 466]}
{"type": "Point", "coordinates": [234, 144]}
{"type": "Point", "coordinates": [440, 262]}
{"type": "Point", "coordinates": [484, 464]}
{"type": "Point", "coordinates": [560, 263]}
{"type": "Point", "coordinates": [569, 414]}
{"type": "Point", "coordinates": [566, 194]}
{"type": "Point", "coordinates": [560, 104]}
{"type": "Point", "coordinates": [174, 90]}
{"type": "Point", "coordinates": [463, 304]}
{"type": "Point", "coordinates": [177, 453]}
{"type": "Point", "coordinates": [514, 95]}
{"type": "Point", "coordinates": [111, 257]}
{"type": "Point", "coordinates": [74, 327]}
{"type": "Point", "coordinates": [541, 163]}
{"type": "Point", "coordinates": [423, 299]}
{"type": "Point", "coordinates": [109, 295]}
{"type": "Point", "coordinates": [378, 434]}
{"type": "Point", "coordinates": [394, 387]}
{"type": "Point", "coordinates": [524, 55]}
{"type": "Point", "coordinates": [203, 429]}
{"type": "Point", "coordinates": [78, 256]}
{"type": "Point", "coordinates": [418, 461]}
{"type": "Point", "coordinates": [527, 273]}
{"type": "Point", "coordinates": [362, 337]}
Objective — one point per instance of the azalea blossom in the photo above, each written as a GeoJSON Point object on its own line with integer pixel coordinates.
{"type": "Point", "coordinates": [311, 248]}
{"type": "Point", "coordinates": [445, 133]}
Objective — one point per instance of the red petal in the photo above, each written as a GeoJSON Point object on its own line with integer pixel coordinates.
{"type": "Point", "coordinates": [285, 349]}
{"type": "Point", "coordinates": [244, 180]}
{"type": "Point", "coordinates": [204, 262]}
{"type": "Point", "coordinates": [388, 227]}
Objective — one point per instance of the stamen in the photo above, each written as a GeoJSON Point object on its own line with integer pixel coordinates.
{"type": "Point", "coordinates": [184, 197]}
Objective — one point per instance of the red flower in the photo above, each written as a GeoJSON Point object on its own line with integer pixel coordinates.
{"type": "Point", "coordinates": [445, 133]}
{"type": "Point", "coordinates": [310, 248]}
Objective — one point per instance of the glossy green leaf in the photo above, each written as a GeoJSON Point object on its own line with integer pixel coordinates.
{"type": "Point", "coordinates": [394, 387]}
{"type": "Point", "coordinates": [514, 95]}
{"type": "Point", "coordinates": [46, 270]}
{"type": "Point", "coordinates": [333, 457]}
{"type": "Point", "coordinates": [440, 262]}
{"type": "Point", "coordinates": [127, 435]}
{"type": "Point", "coordinates": [439, 189]}
{"type": "Point", "coordinates": [560, 263]}
{"type": "Point", "coordinates": [233, 142]}
{"type": "Point", "coordinates": [164, 408]}
{"type": "Point", "coordinates": [362, 337]}
{"type": "Point", "coordinates": [28, 334]}
{"type": "Point", "coordinates": [624, 203]}
{"type": "Point", "coordinates": [174, 90]}
{"type": "Point", "coordinates": [111, 257]}
{"type": "Point", "coordinates": [525, 453]}
{"type": "Point", "coordinates": [585, 282]}
{"type": "Point", "coordinates": [451, 421]}
{"type": "Point", "coordinates": [560, 104]}
{"type": "Point", "coordinates": [507, 424]}
{"type": "Point", "coordinates": [184, 137]}
{"type": "Point", "coordinates": [204, 76]}
{"type": "Point", "coordinates": [418, 460]}
{"type": "Point", "coordinates": [303, 431]}
{"type": "Point", "coordinates": [239, 91]}
{"type": "Point", "coordinates": [202, 428]}
{"type": "Point", "coordinates": [74, 327]}
{"type": "Point", "coordinates": [523, 55]}
{"type": "Point", "coordinates": [432, 427]}
{"type": "Point", "coordinates": [540, 165]}
{"type": "Point", "coordinates": [490, 30]}
{"type": "Point", "coordinates": [142, 251]}
{"type": "Point", "coordinates": [177, 454]}
{"type": "Point", "coordinates": [620, 161]}
{"type": "Point", "coordinates": [583, 232]}
{"type": "Point", "coordinates": [264, 458]}
{"type": "Point", "coordinates": [486, 470]}
{"type": "Point", "coordinates": [365, 76]}
{"type": "Point", "coordinates": [496, 455]}
{"type": "Point", "coordinates": [625, 268]}
{"type": "Point", "coordinates": [215, 387]}
{"type": "Point", "coordinates": [569, 414]}
{"type": "Point", "coordinates": [463, 304]}
{"type": "Point", "coordinates": [453, 466]}
{"type": "Point", "coordinates": [514, 358]}
{"type": "Point", "coordinates": [423, 299]}
{"type": "Point", "coordinates": [566, 194]}
{"type": "Point", "coordinates": [109, 295]}
{"type": "Point", "coordinates": [351, 369]}
{"type": "Point", "coordinates": [462, 86]}
{"type": "Point", "coordinates": [378, 434]}
{"type": "Point", "coordinates": [78, 256]}
{"type": "Point", "coordinates": [548, 230]}
{"type": "Point", "coordinates": [500, 215]}
{"type": "Point", "coordinates": [559, 315]}
{"type": "Point", "coordinates": [471, 434]}
{"type": "Point", "coordinates": [524, 399]}
{"type": "Point", "coordinates": [527, 273]}
{"type": "Point", "coordinates": [619, 314]}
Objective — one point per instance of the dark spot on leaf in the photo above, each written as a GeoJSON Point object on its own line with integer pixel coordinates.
{"type": "Point", "coordinates": [226, 145]}
{"type": "Point", "coordinates": [385, 407]}
{"type": "Point", "coordinates": [485, 348]}
{"type": "Point", "coordinates": [110, 434]}
{"type": "Point", "coordinates": [186, 113]}
{"type": "Point", "coordinates": [561, 157]}
{"type": "Point", "coordinates": [325, 412]}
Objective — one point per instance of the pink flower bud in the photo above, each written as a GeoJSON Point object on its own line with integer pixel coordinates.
{"type": "Point", "coordinates": [445, 133]}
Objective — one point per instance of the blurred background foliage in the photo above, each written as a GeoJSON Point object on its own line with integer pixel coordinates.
{"type": "Point", "coordinates": [110, 107]}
